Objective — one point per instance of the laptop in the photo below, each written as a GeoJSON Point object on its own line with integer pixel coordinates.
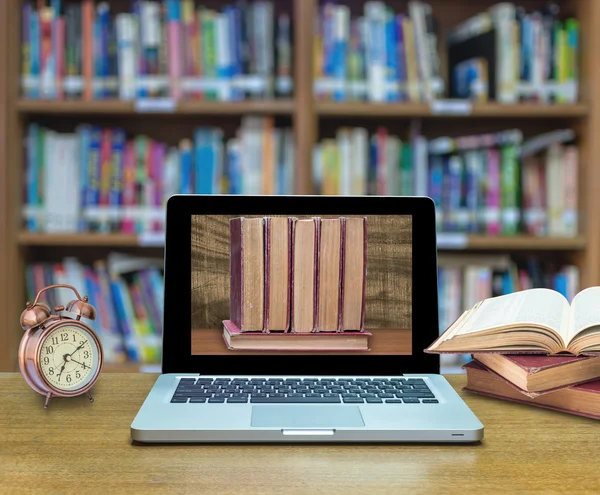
{"type": "Point", "coordinates": [386, 389]}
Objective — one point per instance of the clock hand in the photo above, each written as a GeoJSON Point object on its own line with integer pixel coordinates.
{"type": "Point", "coordinates": [82, 364]}
{"type": "Point", "coordinates": [61, 370]}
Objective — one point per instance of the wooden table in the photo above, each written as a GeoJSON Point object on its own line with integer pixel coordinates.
{"type": "Point", "coordinates": [80, 447]}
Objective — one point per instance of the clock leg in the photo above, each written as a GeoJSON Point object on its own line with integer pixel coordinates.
{"type": "Point", "coordinates": [48, 397]}
{"type": "Point", "coordinates": [90, 397]}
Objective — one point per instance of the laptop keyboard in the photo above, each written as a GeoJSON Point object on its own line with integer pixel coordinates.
{"type": "Point", "coordinates": [303, 391]}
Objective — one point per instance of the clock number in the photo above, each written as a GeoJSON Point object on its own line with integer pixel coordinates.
{"type": "Point", "coordinates": [55, 340]}
{"type": "Point", "coordinates": [49, 349]}
{"type": "Point", "coordinates": [50, 371]}
{"type": "Point", "coordinates": [82, 343]}
{"type": "Point", "coordinates": [74, 338]}
{"type": "Point", "coordinates": [86, 354]}
{"type": "Point", "coordinates": [46, 360]}
{"type": "Point", "coordinates": [68, 378]}
{"type": "Point", "coordinates": [77, 374]}
{"type": "Point", "coordinates": [64, 337]}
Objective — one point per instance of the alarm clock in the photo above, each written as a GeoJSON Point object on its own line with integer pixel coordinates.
{"type": "Point", "coordinates": [60, 356]}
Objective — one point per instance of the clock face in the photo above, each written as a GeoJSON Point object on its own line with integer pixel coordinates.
{"type": "Point", "coordinates": [69, 358]}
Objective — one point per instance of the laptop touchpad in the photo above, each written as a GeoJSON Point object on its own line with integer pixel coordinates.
{"type": "Point", "coordinates": [313, 416]}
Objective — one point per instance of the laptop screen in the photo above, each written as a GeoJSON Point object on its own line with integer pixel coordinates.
{"type": "Point", "coordinates": [298, 285]}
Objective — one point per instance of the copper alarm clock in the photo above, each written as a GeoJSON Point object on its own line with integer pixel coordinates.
{"type": "Point", "coordinates": [60, 356]}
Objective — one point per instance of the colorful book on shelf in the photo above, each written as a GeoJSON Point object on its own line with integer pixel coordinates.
{"type": "Point", "coordinates": [235, 339]}
{"type": "Point", "coordinates": [247, 283]}
{"type": "Point", "coordinates": [535, 375]}
{"type": "Point", "coordinates": [581, 400]}
{"type": "Point", "coordinates": [535, 321]}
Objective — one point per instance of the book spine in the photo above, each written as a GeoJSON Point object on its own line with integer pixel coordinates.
{"type": "Point", "coordinates": [126, 25]}
{"type": "Point", "coordinates": [416, 12]}
{"type": "Point", "coordinates": [570, 184]}
{"type": "Point", "coordinates": [187, 184]}
{"type": "Point", "coordinates": [33, 176]}
{"type": "Point", "coordinates": [339, 48]}
{"type": "Point", "coordinates": [509, 176]}
{"type": "Point", "coordinates": [87, 12]}
{"type": "Point", "coordinates": [127, 225]}
{"type": "Point", "coordinates": [493, 201]}
{"type": "Point", "coordinates": [93, 173]}
{"type": "Point", "coordinates": [174, 46]}
{"type": "Point", "coordinates": [376, 50]}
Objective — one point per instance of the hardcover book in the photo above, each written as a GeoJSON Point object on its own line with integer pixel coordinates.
{"type": "Point", "coordinates": [581, 400]}
{"type": "Point", "coordinates": [354, 274]}
{"type": "Point", "coordinates": [304, 274]}
{"type": "Point", "coordinates": [535, 375]}
{"type": "Point", "coordinates": [237, 340]}
{"type": "Point", "coordinates": [535, 321]}
{"type": "Point", "coordinates": [329, 275]}
{"type": "Point", "coordinates": [247, 278]}
{"type": "Point", "coordinates": [278, 249]}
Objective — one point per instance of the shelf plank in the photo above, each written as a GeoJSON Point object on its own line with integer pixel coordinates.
{"type": "Point", "coordinates": [131, 368]}
{"type": "Point", "coordinates": [124, 108]}
{"type": "Point", "coordinates": [110, 240]}
{"type": "Point", "coordinates": [454, 242]}
{"type": "Point", "coordinates": [361, 109]}
{"type": "Point", "coordinates": [446, 241]}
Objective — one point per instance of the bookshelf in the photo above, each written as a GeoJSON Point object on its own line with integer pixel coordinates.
{"type": "Point", "coordinates": [311, 120]}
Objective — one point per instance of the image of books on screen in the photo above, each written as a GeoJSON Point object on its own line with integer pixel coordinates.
{"type": "Point", "coordinates": [297, 284]}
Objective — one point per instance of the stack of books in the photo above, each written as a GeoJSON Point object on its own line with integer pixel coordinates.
{"type": "Point", "coordinates": [99, 180]}
{"type": "Point", "coordinates": [510, 55]}
{"type": "Point", "coordinates": [380, 56]}
{"type": "Point", "coordinates": [127, 293]}
{"type": "Point", "coordinates": [465, 279]}
{"type": "Point", "coordinates": [171, 48]}
{"type": "Point", "coordinates": [497, 184]}
{"type": "Point", "coordinates": [532, 347]}
{"type": "Point", "coordinates": [297, 284]}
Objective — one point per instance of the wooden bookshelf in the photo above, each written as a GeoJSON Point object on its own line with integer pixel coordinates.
{"type": "Point", "coordinates": [311, 120]}
{"type": "Point", "coordinates": [127, 108]}
{"type": "Point", "coordinates": [424, 110]}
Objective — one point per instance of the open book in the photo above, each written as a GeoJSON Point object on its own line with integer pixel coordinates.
{"type": "Point", "coordinates": [532, 321]}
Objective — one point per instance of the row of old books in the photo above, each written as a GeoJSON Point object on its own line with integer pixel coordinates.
{"type": "Point", "coordinates": [509, 55]}
{"type": "Point", "coordinates": [504, 53]}
{"type": "Point", "coordinates": [463, 280]}
{"type": "Point", "coordinates": [297, 283]}
{"type": "Point", "coordinates": [170, 48]}
{"type": "Point", "coordinates": [127, 293]}
{"type": "Point", "coordinates": [100, 179]}
{"type": "Point", "coordinates": [534, 346]}
{"type": "Point", "coordinates": [495, 183]}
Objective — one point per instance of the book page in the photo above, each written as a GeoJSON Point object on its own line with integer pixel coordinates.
{"type": "Point", "coordinates": [586, 311]}
{"type": "Point", "coordinates": [535, 307]}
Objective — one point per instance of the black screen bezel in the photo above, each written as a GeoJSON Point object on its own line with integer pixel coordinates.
{"type": "Point", "coordinates": [177, 342]}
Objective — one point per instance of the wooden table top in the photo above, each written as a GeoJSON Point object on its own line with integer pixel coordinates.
{"type": "Point", "coordinates": [80, 447]}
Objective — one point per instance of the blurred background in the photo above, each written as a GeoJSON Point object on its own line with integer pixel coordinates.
{"type": "Point", "coordinates": [108, 108]}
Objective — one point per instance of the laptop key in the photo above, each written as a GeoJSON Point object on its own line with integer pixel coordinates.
{"type": "Point", "coordinates": [411, 401]}
{"type": "Point", "coordinates": [349, 396]}
{"type": "Point", "coordinates": [179, 400]}
{"type": "Point", "coordinates": [216, 400]}
{"type": "Point", "coordinates": [393, 401]}
{"type": "Point", "coordinates": [313, 395]}
{"type": "Point", "coordinates": [430, 401]}
{"type": "Point", "coordinates": [237, 400]}
{"type": "Point", "coordinates": [385, 396]}
{"type": "Point", "coordinates": [187, 380]}
{"type": "Point", "coordinates": [295, 395]}
{"type": "Point", "coordinates": [373, 400]}
{"type": "Point", "coordinates": [196, 400]}
{"type": "Point", "coordinates": [296, 400]}
{"type": "Point", "coordinates": [259, 395]}
{"type": "Point", "coordinates": [356, 400]}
